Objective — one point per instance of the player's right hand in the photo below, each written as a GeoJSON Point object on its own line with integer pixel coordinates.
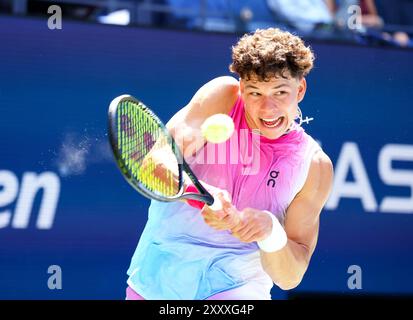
{"type": "Point", "coordinates": [224, 219]}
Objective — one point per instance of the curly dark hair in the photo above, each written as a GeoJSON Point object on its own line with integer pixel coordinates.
{"type": "Point", "coordinates": [271, 52]}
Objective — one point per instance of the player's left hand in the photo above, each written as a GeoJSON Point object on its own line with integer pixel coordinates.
{"type": "Point", "coordinates": [254, 225]}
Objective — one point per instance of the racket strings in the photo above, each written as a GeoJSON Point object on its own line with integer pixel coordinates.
{"type": "Point", "coordinates": [140, 140]}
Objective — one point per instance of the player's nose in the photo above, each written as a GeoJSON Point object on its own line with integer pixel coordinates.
{"type": "Point", "coordinates": [268, 105]}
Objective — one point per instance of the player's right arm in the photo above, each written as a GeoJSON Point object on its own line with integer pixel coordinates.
{"type": "Point", "coordinates": [216, 96]}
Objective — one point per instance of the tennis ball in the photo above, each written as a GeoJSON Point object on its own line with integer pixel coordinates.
{"type": "Point", "coordinates": [217, 128]}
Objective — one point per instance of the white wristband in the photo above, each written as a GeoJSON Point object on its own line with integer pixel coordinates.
{"type": "Point", "coordinates": [276, 240]}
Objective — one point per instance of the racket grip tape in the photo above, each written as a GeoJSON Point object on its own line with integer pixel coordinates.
{"type": "Point", "coordinates": [194, 203]}
{"type": "Point", "coordinates": [217, 205]}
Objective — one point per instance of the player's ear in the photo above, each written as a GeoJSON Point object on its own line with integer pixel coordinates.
{"type": "Point", "coordinates": [302, 87]}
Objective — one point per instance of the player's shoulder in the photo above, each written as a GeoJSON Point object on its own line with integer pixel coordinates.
{"type": "Point", "coordinates": [319, 179]}
{"type": "Point", "coordinates": [227, 82]}
{"type": "Point", "coordinates": [217, 95]}
{"type": "Point", "coordinates": [224, 86]}
{"type": "Point", "coordinates": [321, 169]}
{"type": "Point", "coordinates": [321, 160]}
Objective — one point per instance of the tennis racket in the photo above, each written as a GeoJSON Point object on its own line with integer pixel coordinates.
{"type": "Point", "coordinates": [148, 156]}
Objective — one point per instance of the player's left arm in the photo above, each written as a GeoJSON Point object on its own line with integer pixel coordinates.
{"type": "Point", "coordinates": [287, 266]}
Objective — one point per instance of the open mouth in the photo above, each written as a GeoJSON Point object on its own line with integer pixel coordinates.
{"type": "Point", "coordinates": [272, 123]}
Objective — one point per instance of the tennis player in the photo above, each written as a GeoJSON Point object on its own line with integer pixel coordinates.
{"type": "Point", "coordinates": [267, 230]}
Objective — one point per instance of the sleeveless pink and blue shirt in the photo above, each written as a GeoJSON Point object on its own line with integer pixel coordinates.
{"type": "Point", "coordinates": [180, 257]}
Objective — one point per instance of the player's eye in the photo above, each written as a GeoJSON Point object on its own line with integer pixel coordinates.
{"type": "Point", "coordinates": [281, 93]}
{"type": "Point", "coordinates": [255, 94]}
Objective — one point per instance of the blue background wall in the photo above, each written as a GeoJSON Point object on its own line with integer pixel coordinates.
{"type": "Point", "coordinates": [55, 87]}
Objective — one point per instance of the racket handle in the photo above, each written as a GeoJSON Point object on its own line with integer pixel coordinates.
{"type": "Point", "coordinates": [217, 205]}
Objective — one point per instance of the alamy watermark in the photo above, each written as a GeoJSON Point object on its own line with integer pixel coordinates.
{"type": "Point", "coordinates": [355, 279]}
{"type": "Point", "coordinates": [354, 21]}
{"type": "Point", "coordinates": [242, 148]}
{"type": "Point", "coordinates": [54, 282]}
{"type": "Point", "coordinates": [55, 20]}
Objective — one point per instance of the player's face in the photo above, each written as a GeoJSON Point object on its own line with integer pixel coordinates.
{"type": "Point", "coordinates": [271, 106]}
